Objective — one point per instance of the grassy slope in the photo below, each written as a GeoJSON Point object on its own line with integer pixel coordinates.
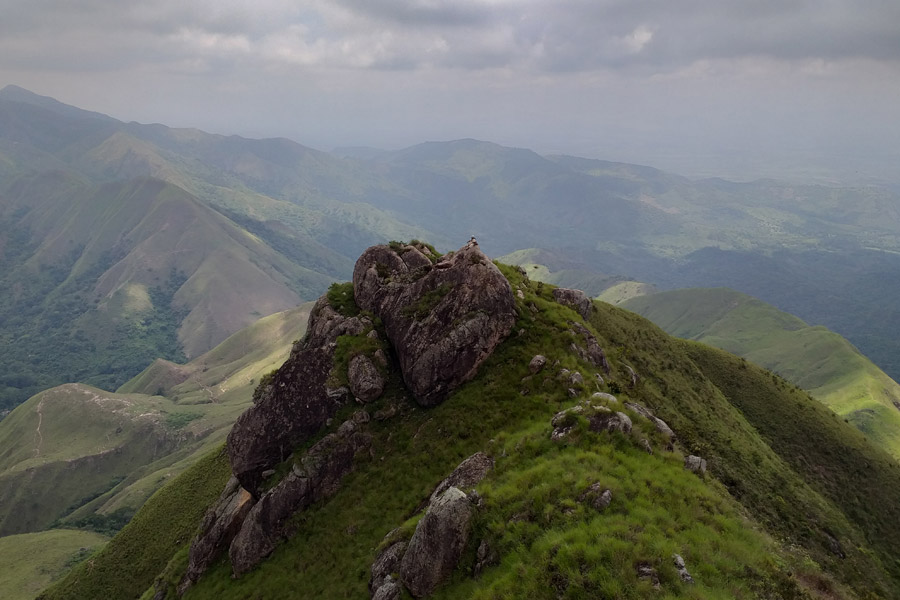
{"type": "Point", "coordinates": [555, 269]}
{"type": "Point", "coordinates": [837, 461]}
{"type": "Point", "coordinates": [73, 442]}
{"type": "Point", "coordinates": [157, 437]}
{"type": "Point", "coordinates": [621, 292]}
{"type": "Point", "coordinates": [30, 562]}
{"type": "Point", "coordinates": [658, 508]}
{"type": "Point", "coordinates": [816, 359]}
{"type": "Point", "coordinates": [127, 565]}
{"type": "Point", "coordinates": [114, 276]}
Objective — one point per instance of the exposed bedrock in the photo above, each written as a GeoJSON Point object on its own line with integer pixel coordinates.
{"type": "Point", "coordinates": [297, 402]}
{"type": "Point", "coordinates": [443, 319]}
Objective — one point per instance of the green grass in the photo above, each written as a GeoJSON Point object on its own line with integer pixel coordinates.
{"type": "Point", "coordinates": [340, 297]}
{"type": "Point", "coordinates": [127, 566]}
{"type": "Point", "coordinates": [29, 562]}
{"type": "Point", "coordinates": [833, 458]}
{"type": "Point", "coordinates": [818, 360]}
{"type": "Point", "coordinates": [626, 290]}
{"type": "Point", "coordinates": [101, 455]}
{"type": "Point", "coordinates": [757, 526]}
{"type": "Point", "coordinates": [553, 546]}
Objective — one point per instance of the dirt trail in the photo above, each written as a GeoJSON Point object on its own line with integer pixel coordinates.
{"type": "Point", "coordinates": [38, 438]}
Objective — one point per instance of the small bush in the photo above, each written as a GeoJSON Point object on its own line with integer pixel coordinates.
{"type": "Point", "coordinates": [340, 298]}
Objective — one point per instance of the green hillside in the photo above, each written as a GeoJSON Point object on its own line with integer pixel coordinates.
{"type": "Point", "coordinates": [763, 523]}
{"type": "Point", "coordinates": [554, 268]}
{"type": "Point", "coordinates": [77, 455]}
{"type": "Point", "coordinates": [114, 276]}
{"type": "Point", "coordinates": [626, 290]}
{"type": "Point", "coordinates": [31, 561]}
{"type": "Point", "coordinates": [814, 358]}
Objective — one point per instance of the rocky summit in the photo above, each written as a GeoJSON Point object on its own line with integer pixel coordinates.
{"type": "Point", "coordinates": [443, 316]}
{"type": "Point", "coordinates": [449, 428]}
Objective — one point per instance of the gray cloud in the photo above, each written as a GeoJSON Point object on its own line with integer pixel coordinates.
{"type": "Point", "coordinates": [539, 36]}
{"type": "Point", "coordinates": [613, 78]}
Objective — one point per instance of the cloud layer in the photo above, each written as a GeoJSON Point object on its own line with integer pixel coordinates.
{"type": "Point", "coordinates": [521, 70]}
{"type": "Point", "coordinates": [532, 35]}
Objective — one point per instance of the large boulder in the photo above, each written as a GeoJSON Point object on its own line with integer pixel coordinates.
{"type": "Point", "coordinates": [318, 476]}
{"type": "Point", "coordinates": [444, 319]}
{"type": "Point", "coordinates": [575, 299]}
{"type": "Point", "coordinates": [467, 475]}
{"type": "Point", "coordinates": [297, 402]}
{"type": "Point", "coordinates": [366, 382]}
{"type": "Point", "coordinates": [438, 543]}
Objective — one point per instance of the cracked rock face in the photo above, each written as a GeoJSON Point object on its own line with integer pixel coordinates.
{"type": "Point", "coordinates": [438, 543]}
{"type": "Point", "coordinates": [318, 476]}
{"type": "Point", "coordinates": [444, 320]}
{"type": "Point", "coordinates": [296, 404]}
{"type": "Point", "coordinates": [220, 525]}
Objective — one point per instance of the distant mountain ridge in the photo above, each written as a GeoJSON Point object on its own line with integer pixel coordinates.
{"type": "Point", "coordinates": [319, 210]}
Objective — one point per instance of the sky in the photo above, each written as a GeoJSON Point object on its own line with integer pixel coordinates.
{"type": "Point", "coordinates": [802, 89]}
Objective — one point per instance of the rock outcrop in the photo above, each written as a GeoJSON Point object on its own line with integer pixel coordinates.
{"type": "Point", "coordinates": [576, 299]}
{"type": "Point", "coordinates": [317, 476]}
{"type": "Point", "coordinates": [597, 497]}
{"type": "Point", "coordinates": [366, 382]}
{"type": "Point", "coordinates": [467, 475]}
{"type": "Point", "coordinates": [612, 421]}
{"type": "Point", "coordinates": [591, 350]}
{"type": "Point", "coordinates": [660, 425]}
{"type": "Point", "coordinates": [387, 562]}
{"type": "Point", "coordinates": [221, 523]}
{"type": "Point", "coordinates": [443, 319]}
{"type": "Point", "coordinates": [600, 418]}
{"type": "Point", "coordinates": [682, 570]}
{"type": "Point", "coordinates": [438, 543]}
{"type": "Point", "coordinates": [537, 363]}
{"type": "Point", "coordinates": [297, 402]}
{"type": "Point", "coordinates": [695, 464]}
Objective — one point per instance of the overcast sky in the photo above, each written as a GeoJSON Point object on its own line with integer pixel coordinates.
{"type": "Point", "coordinates": [737, 88]}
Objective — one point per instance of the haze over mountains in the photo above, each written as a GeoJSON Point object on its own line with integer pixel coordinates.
{"type": "Point", "coordinates": [197, 234]}
{"type": "Point", "coordinates": [130, 253]}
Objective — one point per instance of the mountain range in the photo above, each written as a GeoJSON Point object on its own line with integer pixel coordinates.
{"type": "Point", "coordinates": [174, 209]}
{"type": "Point", "coordinates": [126, 245]}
